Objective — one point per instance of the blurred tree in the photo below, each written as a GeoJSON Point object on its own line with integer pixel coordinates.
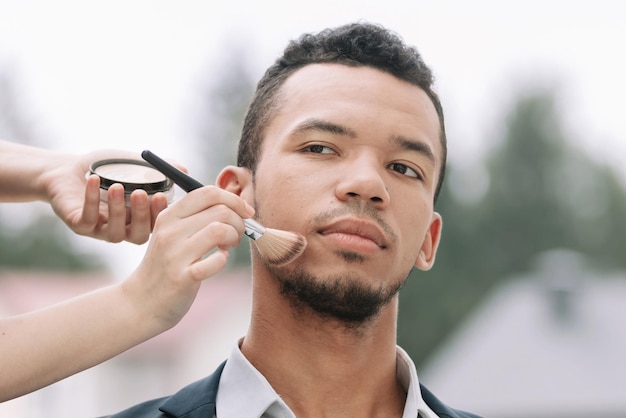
{"type": "Point", "coordinates": [43, 240]}
{"type": "Point", "coordinates": [543, 194]}
{"type": "Point", "coordinates": [44, 244]}
{"type": "Point", "coordinates": [223, 105]}
{"type": "Point", "coordinates": [433, 303]}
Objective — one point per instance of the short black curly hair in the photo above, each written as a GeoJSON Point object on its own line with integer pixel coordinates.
{"type": "Point", "coordinates": [355, 44]}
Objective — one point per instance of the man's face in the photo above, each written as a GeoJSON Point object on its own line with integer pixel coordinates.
{"type": "Point", "coordinates": [351, 161]}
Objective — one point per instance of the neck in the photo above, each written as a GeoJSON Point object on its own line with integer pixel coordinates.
{"type": "Point", "coordinates": [321, 367]}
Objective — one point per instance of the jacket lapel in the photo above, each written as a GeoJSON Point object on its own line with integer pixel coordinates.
{"type": "Point", "coordinates": [442, 410]}
{"type": "Point", "coordinates": [196, 400]}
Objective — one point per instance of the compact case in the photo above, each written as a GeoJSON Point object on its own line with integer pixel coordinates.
{"type": "Point", "coordinates": [133, 175]}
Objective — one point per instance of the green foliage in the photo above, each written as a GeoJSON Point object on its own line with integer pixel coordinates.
{"type": "Point", "coordinates": [546, 194]}
{"type": "Point", "coordinates": [43, 244]}
{"type": "Point", "coordinates": [432, 303]}
{"type": "Point", "coordinates": [543, 194]}
{"type": "Point", "coordinates": [224, 104]}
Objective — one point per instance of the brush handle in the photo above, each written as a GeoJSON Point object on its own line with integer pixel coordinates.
{"type": "Point", "coordinates": [183, 180]}
{"type": "Point", "coordinates": [254, 230]}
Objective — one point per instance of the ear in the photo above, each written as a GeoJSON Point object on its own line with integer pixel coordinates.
{"type": "Point", "coordinates": [426, 257]}
{"type": "Point", "coordinates": [235, 180]}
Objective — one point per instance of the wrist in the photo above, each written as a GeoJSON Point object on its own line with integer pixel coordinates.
{"type": "Point", "coordinates": [21, 171]}
{"type": "Point", "coordinates": [146, 302]}
{"type": "Point", "coordinates": [50, 172]}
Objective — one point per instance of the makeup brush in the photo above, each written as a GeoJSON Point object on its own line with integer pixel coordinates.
{"type": "Point", "coordinates": [276, 246]}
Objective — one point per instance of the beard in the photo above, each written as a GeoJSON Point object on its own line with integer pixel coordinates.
{"type": "Point", "coordinates": [344, 298]}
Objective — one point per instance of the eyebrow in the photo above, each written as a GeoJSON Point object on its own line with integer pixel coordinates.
{"type": "Point", "coordinates": [416, 146]}
{"type": "Point", "coordinates": [402, 142]}
{"type": "Point", "coordinates": [320, 125]}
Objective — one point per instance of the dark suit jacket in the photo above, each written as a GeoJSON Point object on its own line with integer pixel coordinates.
{"type": "Point", "coordinates": [198, 401]}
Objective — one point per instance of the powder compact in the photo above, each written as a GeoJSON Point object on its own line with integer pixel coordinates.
{"type": "Point", "coordinates": [133, 175]}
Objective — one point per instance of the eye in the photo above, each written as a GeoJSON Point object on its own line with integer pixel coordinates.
{"type": "Point", "coordinates": [405, 170]}
{"type": "Point", "coordinates": [319, 149]}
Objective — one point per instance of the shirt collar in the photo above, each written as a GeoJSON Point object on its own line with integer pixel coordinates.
{"type": "Point", "coordinates": [240, 376]}
{"type": "Point", "coordinates": [407, 376]}
{"type": "Point", "coordinates": [262, 401]}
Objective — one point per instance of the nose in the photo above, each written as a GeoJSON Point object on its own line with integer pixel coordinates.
{"type": "Point", "coordinates": [363, 179]}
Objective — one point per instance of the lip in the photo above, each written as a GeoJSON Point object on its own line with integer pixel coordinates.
{"type": "Point", "coordinates": [358, 233]}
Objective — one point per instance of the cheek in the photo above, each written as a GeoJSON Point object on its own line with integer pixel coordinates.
{"type": "Point", "coordinates": [414, 226]}
{"type": "Point", "coordinates": [411, 241]}
{"type": "Point", "coordinates": [288, 179]}
{"type": "Point", "coordinates": [281, 195]}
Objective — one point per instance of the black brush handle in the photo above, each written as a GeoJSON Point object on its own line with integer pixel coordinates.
{"type": "Point", "coordinates": [254, 229]}
{"type": "Point", "coordinates": [183, 180]}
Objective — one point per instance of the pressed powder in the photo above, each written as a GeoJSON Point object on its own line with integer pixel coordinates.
{"type": "Point", "coordinates": [133, 175]}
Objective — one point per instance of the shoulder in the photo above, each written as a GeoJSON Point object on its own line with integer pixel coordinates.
{"type": "Point", "coordinates": [195, 400]}
{"type": "Point", "coordinates": [442, 410]}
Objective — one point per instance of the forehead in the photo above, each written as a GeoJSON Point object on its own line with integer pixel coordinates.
{"type": "Point", "coordinates": [361, 97]}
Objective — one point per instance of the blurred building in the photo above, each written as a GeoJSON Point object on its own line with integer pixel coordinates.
{"type": "Point", "coordinates": [161, 366]}
{"type": "Point", "coordinates": [548, 345]}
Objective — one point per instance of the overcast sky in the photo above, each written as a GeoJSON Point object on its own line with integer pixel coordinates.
{"type": "Point", "coordinates": [125, 74]}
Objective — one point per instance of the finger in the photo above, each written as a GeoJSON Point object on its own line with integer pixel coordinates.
{"type": "Point", "coordinates": [209, 238]}
{"type": "Point", "coordinates": [116, 222]}
{"type": "Point", "coordinates": [206, 227]}
{"type": "Point", "coordinates": [138, 231]}
{"type": "Point", "coordinates": [91, 206]}
{"type": "Point", "coordinates": [209, 265]}
{"type": "Point", "coordinates": [157, 204]}
{"type": "Point", "coordinates": [217, 235]}
{"type": "Point", "coordinates": [204, 197]}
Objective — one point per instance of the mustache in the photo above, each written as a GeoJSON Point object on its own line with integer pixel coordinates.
{"type": "Point", "coordinates": [356, 209]}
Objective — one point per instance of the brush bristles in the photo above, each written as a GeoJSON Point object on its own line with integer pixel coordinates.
{"type": "Point", "coordinates": [280, 247]}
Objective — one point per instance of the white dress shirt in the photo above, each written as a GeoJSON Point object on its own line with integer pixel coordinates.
{"type": "Point", "coordinates": [261, 400]}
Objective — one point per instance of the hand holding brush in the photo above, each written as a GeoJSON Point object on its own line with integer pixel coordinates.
{"type": "Point", "coordinates": [276, 246]}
